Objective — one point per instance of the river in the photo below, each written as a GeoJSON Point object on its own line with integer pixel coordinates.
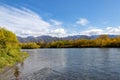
{"type": "Point", "coordinates": [71, 64]}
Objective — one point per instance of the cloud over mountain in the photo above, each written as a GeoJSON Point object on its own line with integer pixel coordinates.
{"type": "Point", "coordinates": [25, 22]}
{"type": "Point", "coordinates": [98, 31]}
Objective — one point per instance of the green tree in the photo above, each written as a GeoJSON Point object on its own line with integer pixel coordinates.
{"type": "Point", "coordinates": [29, 45]}
{"type": "Point", "coordinates": [10, 52]}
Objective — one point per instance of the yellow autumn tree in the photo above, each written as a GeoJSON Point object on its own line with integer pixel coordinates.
{"type": "Point", "coordinates": [10, 52]}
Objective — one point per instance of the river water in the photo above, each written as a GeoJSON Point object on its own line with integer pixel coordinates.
{"type": "Point", "coordinates": [73, 63]}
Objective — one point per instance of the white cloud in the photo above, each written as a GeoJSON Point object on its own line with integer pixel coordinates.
{"type": "Point", "coordinates": [113, 30]}
{"type": "Point", "coordinates": [25, 22]}
{"type": "Point", "coordinates": [107, 30]}
{"type": "Point", "coordinates": [92, 32]}
{"type": "Point", "coordinates": [59, 32]}
{"type": "Point", "coordinates": [82, 21]}
{"type": "Point", "coordinates": [55, 22]}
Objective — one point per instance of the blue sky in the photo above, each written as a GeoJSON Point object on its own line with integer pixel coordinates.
{"type": "Point", "coordinates": [60, 17]}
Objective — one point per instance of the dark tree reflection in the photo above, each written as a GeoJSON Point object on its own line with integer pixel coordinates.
{"type": "Point", "coordinates": [17, 73]}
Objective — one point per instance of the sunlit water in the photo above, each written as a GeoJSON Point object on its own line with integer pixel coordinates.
{"type": "Point", "coordinates": [75, 63]}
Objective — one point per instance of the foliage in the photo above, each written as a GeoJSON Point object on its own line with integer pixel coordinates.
{"type": "Point", "coordinates": [30, 45]}
{"type": "Point", "coordinates": [101, 41]}
{"type": "Point", "coordinates": [9, 49]}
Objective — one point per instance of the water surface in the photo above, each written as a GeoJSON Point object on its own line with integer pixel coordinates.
{"type": "Point", "coordinates": [75, 63]}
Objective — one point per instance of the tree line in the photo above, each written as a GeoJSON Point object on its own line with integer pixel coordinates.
{"type": "Point", "coordinates": [103, 41]}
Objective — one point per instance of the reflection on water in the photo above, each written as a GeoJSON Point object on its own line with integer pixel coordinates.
{"type": "Point", "coordinates": [17, 73]}
{"type": "Point", "coordinates": [72, 64]}
{"type": "Point", "coordinates": [41, 58]}
{"type": "Point", "coordinates": [22, 64]}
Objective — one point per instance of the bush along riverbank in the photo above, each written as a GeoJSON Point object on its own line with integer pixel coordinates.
{"type": "Point", "coordinates": [102, 41]}
{"type": "Point", "coordinates": [10, 52]}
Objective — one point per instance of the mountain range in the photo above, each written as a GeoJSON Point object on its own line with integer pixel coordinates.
{"type": "Point", "coordinates": [47, 38]}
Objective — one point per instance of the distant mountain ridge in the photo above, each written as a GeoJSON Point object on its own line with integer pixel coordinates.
{"type": "Point", "coordinates": [47, 38]}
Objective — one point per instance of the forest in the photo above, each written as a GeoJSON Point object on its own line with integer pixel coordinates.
{"type": "Point", "coordinates": [102, 41]}
{"type": "Point", "coordinates": [10, 52]}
